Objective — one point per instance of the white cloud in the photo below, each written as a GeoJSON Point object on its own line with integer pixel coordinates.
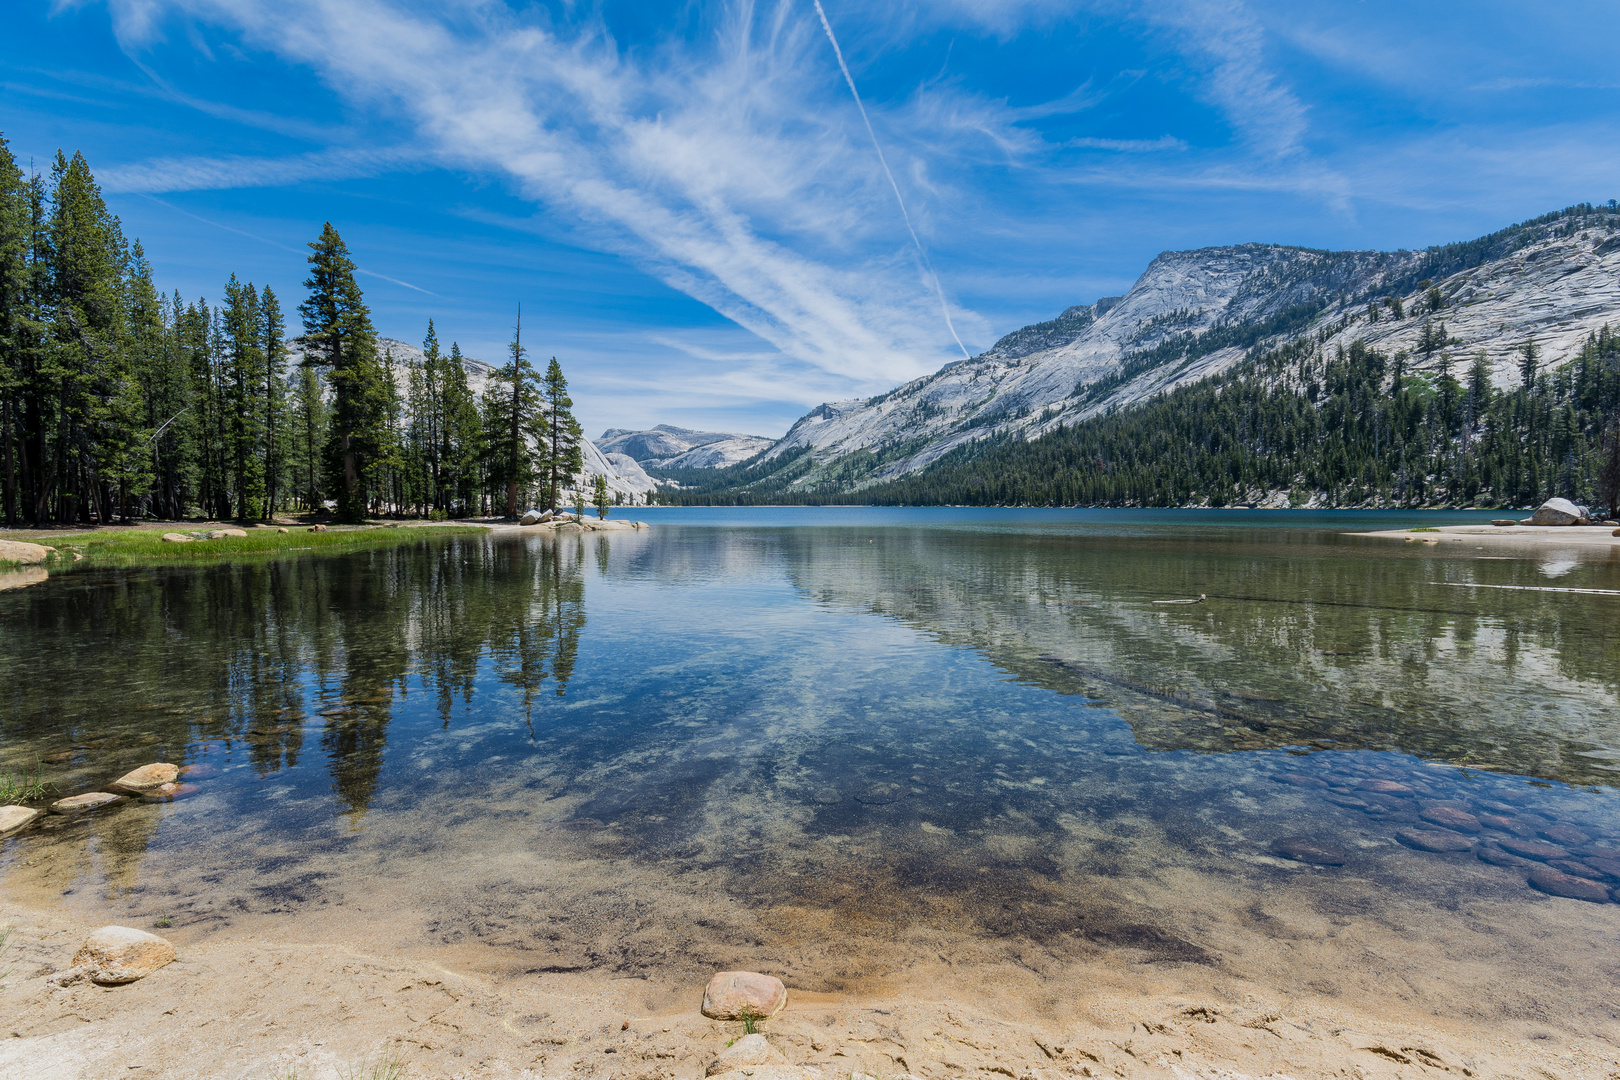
{"type": "Point", "coordinates": [725, 173]}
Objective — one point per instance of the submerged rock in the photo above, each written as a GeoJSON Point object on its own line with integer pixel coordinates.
{"type": "Point", "coordinates": [16, 818]}
{"type": "Point", "coordinates": [1433, 839]}
{"type": "Point", "coordinates": [1494, 855]}
{"type": "Point", "coordinates": [882, 794]}
{"type": "Point", "coordinates": [1557, 883]}
{"type": "Point", "coordinates": [120, 954]}
{"type": "Point", "coordinates": [1304, 849]}
{"type": "Point", "coordinates": [729, 993]}
{"type": "Point", "coordinates": [1582, 869]}
{"type": "Point", "coordinates": [1531, 849]}
{"type": "Point", "coordinates": [90, 800]}
{"type": "Point", "coordinates": [1450, 817]}
{"type": "Point", "coordinates": [748, 1052]}
{"type": "Point", "coordinates": [1384, 787]}
{"type": "Point", "coordinates": [170, 792]}
{"type": "Point", "coordinates": [146, 778]}
{"type": "Point", "coordinates": [199, 771]}
{"type": "Point", "coordinates": [1564, 834]}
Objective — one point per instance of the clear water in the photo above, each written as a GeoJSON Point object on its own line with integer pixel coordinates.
{"type": "Point", "coordinates": [830, 741]}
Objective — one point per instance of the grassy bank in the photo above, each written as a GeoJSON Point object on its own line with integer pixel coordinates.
{"type": "Point", "coordinates": [136, 546]}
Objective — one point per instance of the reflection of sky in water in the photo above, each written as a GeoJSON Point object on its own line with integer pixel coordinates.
{"type": "Point", "coordinates": [983, 731]}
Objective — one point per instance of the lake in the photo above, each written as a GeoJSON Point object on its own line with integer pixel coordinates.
{"type": "Point", "coordinates": [860, 748]}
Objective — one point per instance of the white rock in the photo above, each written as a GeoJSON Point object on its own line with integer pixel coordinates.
{"type": "Point", "coordinates": [90, 800]}
{"type": "Point", "coordinates": [14, 818]}
{"type": "Point", "coordinates": [120, 954]}
{"type": "Point", "coordinates": [1559, 512]}
{"type": "Point", "coordinates": [748, 1052]}
{"type": "Point", "coordinates": [20, 551]}
{"type": "Point", "coordinates": [145, 779]}
{"type": "Point", "coordinates": [177, 538]}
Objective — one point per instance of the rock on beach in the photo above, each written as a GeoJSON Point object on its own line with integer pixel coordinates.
{"type": "Point", "coordinates": [730, 993]}
{"type": "Point", "coordinates": [20, 551]}
{"type": "Point", "coordinates": [145, 779]}
{"type": "Point", "coordinates": [1558, 512]}
{"type": "Point", "coordinates": [748, 1052]}
{"type": "Point", "coordinates": [120, 954]}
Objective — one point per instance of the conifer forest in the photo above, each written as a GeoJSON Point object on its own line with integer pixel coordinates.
{"type": "Point", "coordinates": [119, 402]}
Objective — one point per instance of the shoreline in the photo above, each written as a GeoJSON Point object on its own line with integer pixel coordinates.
{"type": "Point", "coordinates": [1541, 536]}
{"type": "Point", "coordinates": [250, 1004]}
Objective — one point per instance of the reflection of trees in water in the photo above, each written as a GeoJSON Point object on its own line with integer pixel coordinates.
{"type": "Point", "coordinates": [1300, 641]}
{"type": "Point", "coordinates": [149, 665]}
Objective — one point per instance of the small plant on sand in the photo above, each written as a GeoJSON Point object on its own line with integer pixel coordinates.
{"type": "Point", "coordinates": [21, 787]}
{"type": "Point", "coordinates": [164, 923]}
{"type": "Point", "coordinates": [390, 1066]}
{"type": "Point", "coordinates": [1424, 528]}
{"type": "Point", "coordinates": [5, 947]}
{"type": "Point", "coordinates": [750, 1020]}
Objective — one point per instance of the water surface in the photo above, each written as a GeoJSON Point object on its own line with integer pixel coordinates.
{"type": "Point", "coordinates": [832, 742]}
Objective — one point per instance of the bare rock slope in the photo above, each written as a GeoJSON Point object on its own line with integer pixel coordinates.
{"type": "Point", "coordinates": [1193, 314]}
{"type": "Point", "coordinates": [669, 447]}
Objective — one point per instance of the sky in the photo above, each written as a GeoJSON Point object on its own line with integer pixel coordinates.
{"type": "Point", "coordinates": [720, 215]}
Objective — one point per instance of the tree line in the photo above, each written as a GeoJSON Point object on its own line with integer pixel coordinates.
{"type": "Point", "coordinates": [118, 402]}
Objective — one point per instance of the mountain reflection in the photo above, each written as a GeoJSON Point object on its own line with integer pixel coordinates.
{"type": "Point", "coordinates": [1301, 643]}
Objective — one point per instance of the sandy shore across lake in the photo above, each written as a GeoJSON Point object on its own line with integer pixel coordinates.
{"type": "Point", "coordinates": [1528, 536]}
{"type": "Point", "coordinates": [242, 1005]}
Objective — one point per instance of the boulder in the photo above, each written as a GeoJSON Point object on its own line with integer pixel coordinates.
{"type": "Point", "coordinates": [20, 551]}
{"type": "Point", "coordinates": [281, 530]}
{"type": "Point", "coordinates": [748, 1052]}
{"type": "Point", "coordinates": [317, 528]}
{"type": "Point", "coordinates": [730, 993]}
{"type": "Point", "coordinates": [220, 534]}
{"type": "Point", "coordinates": [120, 954]}
{"type": "Point", "coordinates": [90, 800]}
{"type": "Point", "coordinates": [145, 779]}
{"type": "Point", "coordinates": [177, 538]}
{"type": "Point", "coordinates": [16, 818]}
{"type": "Point", "coordinates": [1503, 521]}
{"type": "Point", "coordinates": [1531, 849]}
{"type": "Point", "coordinates": [1559, 512]}
{"type": "Point", "coordinates": [536, 517]}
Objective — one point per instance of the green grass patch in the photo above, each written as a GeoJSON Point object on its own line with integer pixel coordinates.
{"type": "Point", "coordinates": [1424, 528]}
{"type": "Point", "coordinates": [131, 547]}
{"type": "Point", "coordinates": [24, 787]}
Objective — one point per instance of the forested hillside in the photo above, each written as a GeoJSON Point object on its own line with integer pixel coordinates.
{"type": "Point", "coordinates": [119, 402]}
{"type": "Point", "coordinates": [1294, 426]}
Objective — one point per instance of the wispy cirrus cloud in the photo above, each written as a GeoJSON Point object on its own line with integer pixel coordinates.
{"type": "Point", "coordinates": [200, 173]}
{"type": "Point", "coordinates": [721, 170]}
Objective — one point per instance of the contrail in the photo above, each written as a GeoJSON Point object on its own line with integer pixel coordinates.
{"type": "Point", "coordinates": [943, 307]}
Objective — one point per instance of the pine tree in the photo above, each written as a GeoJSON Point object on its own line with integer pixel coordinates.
{"type": "Point", "coordinates": [515, 426]}
{"type": "Point", "coordinates": [309, 435]}
{"type": "Point", "coordinates": [273, 334]}
{"type": "Point", "coordinates": [564, 456]}
{"type": "Point", "coordinates": [16, 282]}
{"type": "Point", "coordinates": [599, 496]}
{"type": "Point", "coordinates": [339, 337]}
{"type": "Point", "coordinates": [461, 446]}
{"type": "Point", "coordinates": [244, 383]}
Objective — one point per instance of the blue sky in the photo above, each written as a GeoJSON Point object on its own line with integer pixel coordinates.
{"type": "Point", "coordinates": [688, 204]}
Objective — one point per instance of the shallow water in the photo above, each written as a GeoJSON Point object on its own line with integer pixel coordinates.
{"type": "Point", "coordinates": [831, 741]}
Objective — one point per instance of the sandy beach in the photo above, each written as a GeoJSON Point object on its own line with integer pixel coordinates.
{"type": "Point", "coordinates": [249, 1006]}
{"type": "Point", "coordinates": [1527, 536]}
